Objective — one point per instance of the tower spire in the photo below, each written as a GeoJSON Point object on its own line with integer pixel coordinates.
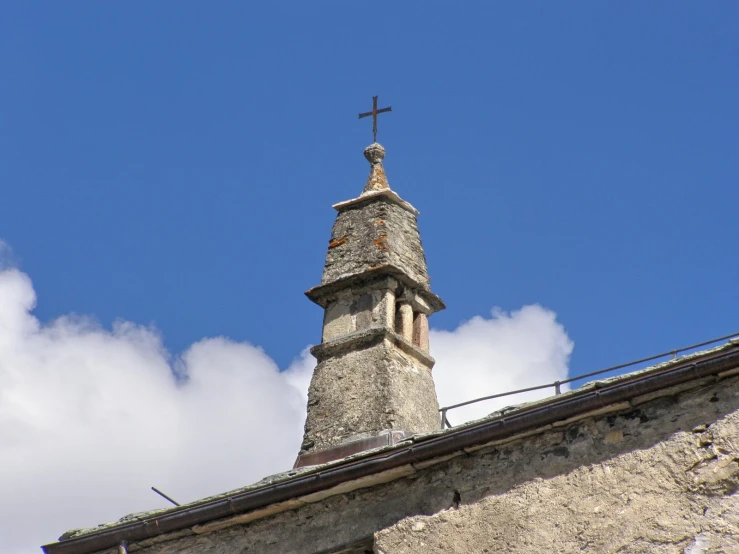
{"type": "Point", "coordinates": [373, 384]}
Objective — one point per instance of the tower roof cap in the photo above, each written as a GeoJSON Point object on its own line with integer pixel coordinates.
{"type": "Point", "coordinates": [377, 180]}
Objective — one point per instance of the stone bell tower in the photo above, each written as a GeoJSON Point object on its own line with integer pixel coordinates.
{"type": "Point", "coordinates": [373, 384]}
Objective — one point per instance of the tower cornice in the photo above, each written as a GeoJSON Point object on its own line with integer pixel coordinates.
{"type": "Point", "coordinates": [369, 337]}
{"type": "Point", "coordinates": [367, 197]}
{"type": "Point", "coordinates": [321, 294]}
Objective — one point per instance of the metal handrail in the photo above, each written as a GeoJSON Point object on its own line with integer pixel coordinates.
{"type": "Point", "coordinates": [557, 384]}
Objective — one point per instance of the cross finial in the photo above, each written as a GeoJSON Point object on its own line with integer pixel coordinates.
{"type": "Point", "coordinates": [374, 113]}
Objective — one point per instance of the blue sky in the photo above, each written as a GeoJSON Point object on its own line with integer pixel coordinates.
{"type": "Point", "coordinates": [173, 164]}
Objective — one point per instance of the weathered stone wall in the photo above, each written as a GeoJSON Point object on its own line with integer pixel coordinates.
{"type": "Point", "coordinates": [657, 475]}
{"type": "Point", "coordinates": [368, 390]}
{"type": "Point", "coordinates": [371, 234]}
{"type": "Point", "coordinates": [661, 478]}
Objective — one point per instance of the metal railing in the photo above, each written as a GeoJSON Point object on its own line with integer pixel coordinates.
{"type": "Point", "coordinates": [557, 384]}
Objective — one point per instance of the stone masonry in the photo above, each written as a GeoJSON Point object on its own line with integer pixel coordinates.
{"type": "Point", "coordinates": [657, 478]}
{"type": "Point", "coordinates": [374, 368]}
{"type": "Point", "coordinates": [373, 233]}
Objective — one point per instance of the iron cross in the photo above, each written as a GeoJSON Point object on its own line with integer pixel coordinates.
{"type": "Point", "coordinates": [374, 113]}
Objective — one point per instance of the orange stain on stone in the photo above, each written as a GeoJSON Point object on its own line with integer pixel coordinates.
{"type": "Point", "coordinates": [380, 242]}
{"type": "Point", "coordinates": [338, 242]}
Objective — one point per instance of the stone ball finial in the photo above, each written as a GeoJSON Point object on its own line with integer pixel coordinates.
{"type": "Point", "coordinates": [374, 153]}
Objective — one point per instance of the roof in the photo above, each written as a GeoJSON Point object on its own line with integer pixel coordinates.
{"type": "Point", "coordinates": [290, 489]}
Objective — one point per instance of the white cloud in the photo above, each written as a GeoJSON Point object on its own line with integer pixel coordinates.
{"type": "Point", "coordinates": [91, 418]}
{"type": "Point", "coordinates": [510, 351]}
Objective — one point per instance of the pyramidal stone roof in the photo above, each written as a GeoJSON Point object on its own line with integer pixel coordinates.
{"type": "Point", "coordinates": [375, 233]}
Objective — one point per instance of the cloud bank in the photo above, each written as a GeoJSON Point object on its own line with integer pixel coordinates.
{"type": "Point", "coordinates": [507, 352]}
{"type": "Point", "coordinates": [90, 418]}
